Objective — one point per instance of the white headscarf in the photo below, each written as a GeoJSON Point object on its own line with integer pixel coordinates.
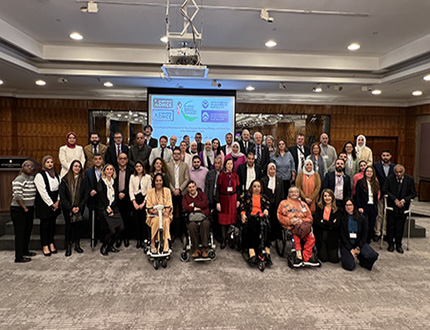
{"type": "Point", "coordinates": [358, 148]}
{"type": "Point", "coordinates": [272, 179]}
{"type": "Point", "coordinates": [237, 155]}
{"type": "Point", "coordinates": [304, 167]}
{"type": "Point", "coordinates": [209, 154]}
{"type": "Point", "coordinates": [191, 152]}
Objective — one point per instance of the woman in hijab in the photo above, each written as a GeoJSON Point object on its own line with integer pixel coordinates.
{"type": "Point", "coordinates": [69, 153]}
{"type": "Point", "coordinates": [47, 203]}
{"type": "Point", "coordinates": [273, 188]}
{"type": "Point", "coordinates": [193, 149]}
{"type": "Point", "coordinates": [236, 155]}
{"type": "Point", "coordinates": [207, 156]}
{"type": "Point", "coordinates": [364, 152]}
{"type": "Point", "coordinates": [309, 183]}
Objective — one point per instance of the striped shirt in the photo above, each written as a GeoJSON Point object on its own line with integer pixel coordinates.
{"type": "Point", "coordinates": [23, 188]}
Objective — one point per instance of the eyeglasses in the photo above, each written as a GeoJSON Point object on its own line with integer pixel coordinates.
{"type": "Point", "coordinates": [28, 166]}
{"type": "Point", "coordinates": [349, 204]}
{"type": "Point", "coordinates": [122, 158]}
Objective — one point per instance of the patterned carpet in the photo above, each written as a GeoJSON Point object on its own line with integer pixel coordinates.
{"type": "Point", "coordinates": [123, 291]}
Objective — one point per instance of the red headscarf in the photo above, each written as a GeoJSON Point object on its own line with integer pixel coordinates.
{"type": "Point", "coordinates": [67, 140]}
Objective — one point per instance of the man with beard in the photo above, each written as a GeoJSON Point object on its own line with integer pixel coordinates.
{"type": "Point", "coordinates": [248, 172]}
{"type": "Point", "coordinates": [140, 151]}
{"type": "Point", "coordinates": [299, 153]}
{"type": "Point", "coordinates": [162, 152]}
{"type": "Point", "coordinates": [149, 140]}
{"type": "Point", "coordinates": [328, 152]}
{"type": "Point", "coordinates": [95, 147]}
{"type": "Point", "coordinates": [198, 173]}
{"type": "Point", "coordinates": [227, 148]}
{"type": "Point", "coordinates": [338, 182]}
{"type": "Point", "coordinates": [115, 149]}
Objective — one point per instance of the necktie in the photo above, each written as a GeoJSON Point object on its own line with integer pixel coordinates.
{"type": "Point", "coordinates": [258, 155]}
{"type": "Point", "coordinates": [118, 151]}
{"type": "Point", "coordinates": [95, 150]}
{"type": "Point", "coordinates": [162, 153]}
{"type": "Point", "coordinates": [246, 148]}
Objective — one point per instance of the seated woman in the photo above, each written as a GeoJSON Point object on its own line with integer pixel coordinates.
{"type": "Point", "coordinates": [196, 204]}
{"type": "Point", "coordinates": [159, 166]}
{"type": "Point", "coordinates": [309, 183]}
{"type": "Point", "coordinates": [353, 234]}
{"type": "Point", "coordinates": [253, 207]}
{"type": "Point", "coordinates": [236, 155]}
{"type": "Point", "coordinates": [326, 227]}
{"type": "Point", "coordinates": [159, 195]}
{"type": "Point", "coordinates": [107, 192]}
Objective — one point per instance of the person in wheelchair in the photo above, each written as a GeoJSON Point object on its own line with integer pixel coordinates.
{"type": "Point", "coordinates": [196, 204]}
{"type": "Point", "coordinates": [253, 208]}
{"type": "Point", "coordinates": [295, 215]}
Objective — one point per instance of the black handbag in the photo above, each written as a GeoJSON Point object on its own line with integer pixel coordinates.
{"type": "Point", "coordinates": [76, 217]}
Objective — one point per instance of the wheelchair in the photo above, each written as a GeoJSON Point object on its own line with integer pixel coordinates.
{"type": "Point", "coordinates": [187, 246]}
{"type": "Point", "coordinates": [158, 258]}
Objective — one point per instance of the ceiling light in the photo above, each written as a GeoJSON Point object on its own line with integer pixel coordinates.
{"type": "Point", "coordinates": [250, 88]}
{"type": "Point", "coordinates": [417, 93]}
{"type": "Point", "coordinates": [164, 39]}
{"type": "Point", "coordinates": [271, 43]}
{"type": "Point", "coordinates": [317, 89]}
{"type": "Point", "coordinates": [40, 82]}
{"type": "Point", "coordinates": [354, 46]}
{"type": "Point", "coordinates": [427, 77]}
{"type": "Point", "coordinates": [1, 82]}
{"type": "Point", "coordinates": [376, 92]}
{"type": "Point", "coordinates": [76, 36]}
{"type": "Point", "coordinates": [108, 84]}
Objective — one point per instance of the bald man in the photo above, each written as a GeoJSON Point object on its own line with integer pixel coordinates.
{"type": "Point", "coordinates": [328, 152]}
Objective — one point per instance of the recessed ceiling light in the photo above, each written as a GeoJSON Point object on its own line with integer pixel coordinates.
{"type": "Point", "coordinates": [108, 84]}
{"type": "Point", "coordinates": [250, 88]}
{"type": "Point", "coordinates": [164, 39]}
{"type": "Point", "coordinates": [1, 82]}
{"type": "Point", "coordinates": [427, 77]}
{"type": "Point", "coordinates": [40, 82]}
{"type": "Point", "coordinates": [76, 36]}
{"type": "Point", "coordinates": [354, 46]}
{"type": "Point", "coordinates": [271, 43]}
{"type": "Point", "coordinates": [417, 93]}
{"type": "Point", "coordinates": [376, 92]}
{"type": "Point", "coordinates": [317, 89]}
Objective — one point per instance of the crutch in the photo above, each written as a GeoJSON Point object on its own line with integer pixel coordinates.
{"type": "Point", "coordinates": [93, 221]}
{"type": "Point", "coordinates": [384, 219]}
{"type": "Point", "coordinates": [409, 212]}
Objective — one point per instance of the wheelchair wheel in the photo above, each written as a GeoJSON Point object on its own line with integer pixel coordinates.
{"type": "Point", "coordinates": [262, 266]}
{"type": "Point", "coordinates": [212, 254]}
{"type": "Point", "coordinates": [156, 263]}
{"type": "Point", "coordinates": [290, 261]}
{"type": "Point", "coordinates": [164, 263]}
{"type": "Point", "coordinates": [281, 246]}
{"type": "Point", "coordinates": [185, 256]}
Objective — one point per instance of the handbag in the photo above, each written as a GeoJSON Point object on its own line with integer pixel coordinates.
{"type": "Point", "coordinates": [302, 230]}
{"type": "Point", "coordinates": [76, 217]}
{"type": "Point", "coordinates": [196, 216]}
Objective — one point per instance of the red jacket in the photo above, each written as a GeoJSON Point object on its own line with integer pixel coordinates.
{"type": "Point", "coordinates": [200, 201]}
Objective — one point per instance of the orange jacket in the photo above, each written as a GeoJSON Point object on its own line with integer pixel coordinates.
{"type": "Point", "coordinates": [289, 209]}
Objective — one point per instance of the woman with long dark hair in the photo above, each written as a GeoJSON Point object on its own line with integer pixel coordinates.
{"type": "Point", "coordinates": [216, 147]}
{"type": "Point", "coordinates": [159, 166]}
{"type": "Point", "coordinates": [351, 163]}
{"type": "Point", "coordinates": [47, 203]}
{"type": "Point", "coordinates": [285, 167]}
{"type": "Point", "coordinates": [74, 193]}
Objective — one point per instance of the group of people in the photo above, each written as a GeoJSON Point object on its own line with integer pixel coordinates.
{"type": "Point", "coordinates": [330, 201]}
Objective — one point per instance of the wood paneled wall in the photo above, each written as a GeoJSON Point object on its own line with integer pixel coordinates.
{"type": "Point", "coordinates": [37, 127]}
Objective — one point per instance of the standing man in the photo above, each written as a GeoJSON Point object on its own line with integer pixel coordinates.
{"type": "Point", "coordinates": [198, 138]}
{"type": "Point", "coordinates": [198, 173]}
{"type": "Point", "coordinates": [162, 151]}
{"type": "Point", "coordinates": [246, 144]}
{"type": "Point", "coordinates": [262, 155]}
{"type": "Point", "coordinates": [299, 153]}
{"type": "Point", "coordinates": [400, 189]}
{"type": "Point", "coordinates": [179, 174]}
{"type": "Point", "coordinates": [328, 152]}
{"type": "Point", "coordinates": [227, 148]}
{"type": "Point", "coordinates": [173, 140]}
{"type": "Point", "coordinates": [149, 140]}
{"type": "Point", "coordinates": [338, 182]}
{"type": "Point", "coordinates": [140, 151]}
{"type": "Point", "coordinates": [115, 149]}
{"type": "Point", "coordinates": [248, 172]}
{"type": "Point", "coordinates": [123, 173]}
{"type": "Point", "coordinates": [95, 147]}
{"type": "Point", "coordinates": [383, 170]}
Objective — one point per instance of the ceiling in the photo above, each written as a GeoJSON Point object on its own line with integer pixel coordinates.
{"type": "Point", "coordinates": [122, 45]}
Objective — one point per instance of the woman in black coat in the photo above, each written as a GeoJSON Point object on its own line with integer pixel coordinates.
{"type": "Point", "coordinates": [74, 194]}
{"type": "Point", "coordinates": [326, 227]}
{"type": "Point", "coordinates": [353, 235]}
{"type": "Point", "coordinates": [273, 189]}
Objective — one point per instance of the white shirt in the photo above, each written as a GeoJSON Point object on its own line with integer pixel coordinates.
{"type": "Point", "coordinates": [300, 158]}
{"type": "Point", "coordinates": [177, 174]}
{"type": "Point", "coordinates": [369, 189]}
{"type": "Point", "coordinates": [250, 176]}
{"type": "Point", "coordinates": [145, 185]}
{"type": "Point", "coordinates": [54, 185]}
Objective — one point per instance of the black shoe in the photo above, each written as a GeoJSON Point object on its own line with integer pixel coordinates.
{"type": "Point", "coordinates": [68, 250]}
{"type": "Point", "coordinates": [112, 249]}
{"type": "Point", "coordinates": [126, 242]}
{"type": "Point", "coordinates": [78, 247]}
{"type": "Point", "coordinates": [252, 260]}
{"type": "Point", "coordinates": [29, 254]}
{"type": "Point", "coordinates": [23, 259]}
{"type": "Point", "coordinates": [47, 254]}
{"type": "Point", "coordinates": [399, 249]}
{"type": "Point", "coordinates": [376, 238]}
{"type": "Point", "coordinates": [390, 248]}
{"type": "Point", "coordinates": [53, 251]}
{"type": "Point", "coordinates": [118, 243]}
{"type": "Point", "coordinates": [269, 260]}
{"type": "Point", "coordinates": [297, 263]}
{"type": "Point", "coordinates": [139, 244]}
{"type": "Point", "coordinates": [103, 250]}
{"type": "Point", "coordinates": [223, 244]}
{"type": "Point", "coordinates": [313, 261]}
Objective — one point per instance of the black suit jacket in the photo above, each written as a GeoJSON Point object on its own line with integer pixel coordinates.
{"type": "Point", "coordinates": [265, 158]}
{"type": "Point", "coordinates": [362, 196]}
{"type": "Point", "coordinates": [407, 191]}
{"type": "Point", "coordinates": [153, 143]}
{"type": "Point", "coordinates": [103, 201]}
{"type": "Point", "coordinates": [242, 173]}
{"type": "Point", "coordinates": [380, 173]}
{"type": "Point", "coordinates": [91, 178]}
{"type": "Point", "coordinates": [329, 183]}
{"type": "Point", "coordinates": [111, 157]}
{"type": "Point", "coordinates": [251, 147]}
{"type": "Point", "coordinates": [362, 228]}
{"type": "Point", "coordinates": [274, 197]}
{"type": "Point", "coordinates": [128, 173]}
{"type": "Point", "coordinates": [294, 151]}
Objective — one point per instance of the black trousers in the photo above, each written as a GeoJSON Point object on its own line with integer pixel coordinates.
{"type": "Point", "coordinates": [327, 251]}
{"type": "Point", "coordinates": [252, 231]}
{"type": "Point", "coordinates": [47, 230]}
{"type": "Point", "coordinates": [72, 230]}
{"type": "Point", "coordinates": [22, 226]}
{"type": "Point", "coordinates": [286, 184]}
{"type": "Point", "coordinates": [139, 218]}
{"type": "Point", "coordinates": [395, 227]}
{"type": "Point", "coordinates": [275, 226]}
{"type": "Point", "coordinates": [177, 226]}
{"type": "Point", "coordinates": [371, 210]}
{"type": "Point", "coordinates": [366, 258]}
{"type": "Point", "coordinates": [124, 206]}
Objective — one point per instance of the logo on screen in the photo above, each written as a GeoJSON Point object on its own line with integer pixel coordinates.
{"type": "Point", "coordinates": [162, 103]}
{"type": "Point", "coordinates": [205, 104]}
{"type": "Point", "coordinates": [178, 108]}
{"type": "Point", "coordinates": [205, 116]}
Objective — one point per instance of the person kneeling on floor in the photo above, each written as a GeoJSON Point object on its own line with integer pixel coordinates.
{"type": "Point", "coordinates": [196, 204]}
{"type": "Point", "coordinates": [296, 216]}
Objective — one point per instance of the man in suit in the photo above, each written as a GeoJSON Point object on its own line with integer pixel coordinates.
{"type": "Point", "coordinates": [261, 151]}
{"type": "Point", "coordinates": [149, 140]}
{"type": "Point", "coordinates": [95, 147]}
{"type": "Point", "coordinates": [383, 170]}
{"type": "Point", "coordinates": [328, 152]}
{"type": "Point", "coordinates": [198, 138]}
{"type": "Point", "coordinates": [246, 144]}
{"type": "Point", "coordinates": [227, 148]}
{"type": "Point", "coordinates": [115, 149]}
{"type": "Point", "coordinates": [173, 141]}
{"type": "Point", "coordinates": [140, 151]}
{"type": "Point", "coordinates": [179, 174]}
{"type": "Point", "coordinates": [162, 151]}
{"type": "Point", "coordinates": [123, 173]}
{"type": "Point", "coordinates": [299, 153]}
{"type": "Point", "coordinates": [400, 189]}
{"type": "Point", "coordinates": [338, 182]}
{"type": "Point", "coordinates": [248, 172]}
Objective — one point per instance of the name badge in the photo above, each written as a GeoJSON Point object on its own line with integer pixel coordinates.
{"type": "Point", "coordinates": [353, 235]}
{"type": "Point", "coordinates": [229, 189]}
{"type": "Point", "coordinates": [304, 209]}
{"type": "Point", "coordinates": [325, 156]}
